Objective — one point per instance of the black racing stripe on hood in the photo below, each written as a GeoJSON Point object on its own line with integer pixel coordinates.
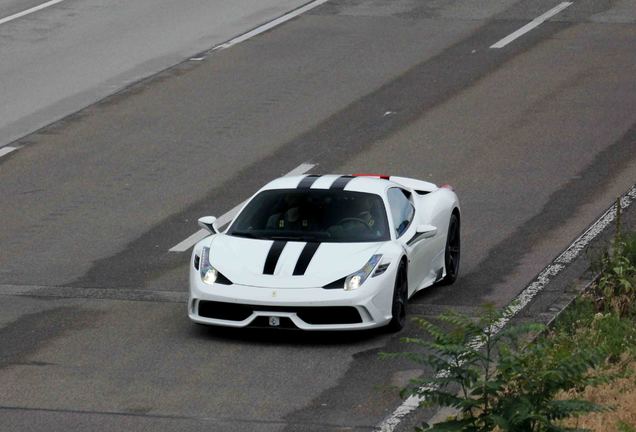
{"type": "Point", "coordinates": [305, 258]}
{"type": "Point", "coordinates": [272, 256]}
{"type": "Point", "coordinates": [307, 181]}
{"type": "Point", "coordinates": [341, 182]}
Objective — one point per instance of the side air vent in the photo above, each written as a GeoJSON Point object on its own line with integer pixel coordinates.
{"type": "Point", "coordinates": [197, 261]}
{"type": "Point", "coordinates": [381, 269]}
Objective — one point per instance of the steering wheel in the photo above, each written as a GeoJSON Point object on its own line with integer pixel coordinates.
{"type": "Point", "coordinates": [353, 219]}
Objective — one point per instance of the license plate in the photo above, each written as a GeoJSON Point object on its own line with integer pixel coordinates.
{"type": "Point", "coordinates": [274, 321]}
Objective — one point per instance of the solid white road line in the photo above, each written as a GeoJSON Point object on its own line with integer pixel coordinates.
{"type": "Point", "coordinates": [227, 217]}
{"type": "Point", "coordinates": [190, 241]}
{"type": "Point", "coordinates": [29, 11]}
{"type": "Point", "coordinates": [6, 150]}
{"type": "Point", "coordinates": [531, 25]}
{"type": "Point", "coordinates": [270, 25]}
{"type": "Point", "coordinates": [523, 299]}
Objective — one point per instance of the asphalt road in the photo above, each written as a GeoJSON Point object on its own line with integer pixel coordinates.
{"type": "Point", "coordinates": [537, 137]}
{"type": "Point", "coordinates": [60, 59]}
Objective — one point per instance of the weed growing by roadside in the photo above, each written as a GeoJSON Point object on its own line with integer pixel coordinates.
{"type": "Point", "coordinates": [616, 288]}
{"type": "Point", "coordinates": [629, 248]}
{"type": "Point", "coordinates": [581, 324]}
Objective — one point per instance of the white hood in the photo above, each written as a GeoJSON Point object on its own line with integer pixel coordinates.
{"type": "Point", "coordinates": [242, 261]}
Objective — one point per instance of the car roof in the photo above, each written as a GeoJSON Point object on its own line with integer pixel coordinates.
{"type": "Point", "coordinates": [367, 184]}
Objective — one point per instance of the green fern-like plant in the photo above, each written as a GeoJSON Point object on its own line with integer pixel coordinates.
{"type": "Point", "coordinates": [496, 379]}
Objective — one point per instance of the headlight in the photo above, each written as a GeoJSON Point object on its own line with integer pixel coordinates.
{"type": "Point", "coordinates": [355, 280]}
{"type": "Point", "coordinates": [208, 273]}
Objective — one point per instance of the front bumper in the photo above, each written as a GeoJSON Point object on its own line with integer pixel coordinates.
{"type": "Point", "coordinates": [303, 308]}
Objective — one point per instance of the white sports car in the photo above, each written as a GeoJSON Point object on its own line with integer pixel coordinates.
{"type": "Point", "coordinates": [326, 252]}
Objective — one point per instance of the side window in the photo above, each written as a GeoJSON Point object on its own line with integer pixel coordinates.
{"type": "Point", "coordinates": [401, 210]}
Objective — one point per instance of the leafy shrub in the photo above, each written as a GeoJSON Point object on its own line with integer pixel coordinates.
{"type": "Point", "coordinates": [493, 383]}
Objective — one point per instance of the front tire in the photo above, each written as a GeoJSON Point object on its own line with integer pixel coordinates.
{"type": "Point", "coordinates": [453, 251]}
{"type": "Point", "coordinates": [400, 299]}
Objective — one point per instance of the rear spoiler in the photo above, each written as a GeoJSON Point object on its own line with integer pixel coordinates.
{"type": "Point", "coordinates": [419, 186]}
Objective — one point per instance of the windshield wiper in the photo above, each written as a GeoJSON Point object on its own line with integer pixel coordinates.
{"type": "Point", "coordinates": [265, 236]}
{"type": "Point", "coordinates": [293, 238]}
{"type": "Point", "coordinates": [280, 237]}
{"type": "Point", "coordinates": [245, 234]}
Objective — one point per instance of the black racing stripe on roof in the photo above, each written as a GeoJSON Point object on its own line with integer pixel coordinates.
{"type": "Point", "coordinates": [305, 258]}
{"type": "Point", "coordinates": [307, 181]}
{"type": "Point", "coordinates": [341, 182]}
{"type": "Point", "coordinates": [272, 256]}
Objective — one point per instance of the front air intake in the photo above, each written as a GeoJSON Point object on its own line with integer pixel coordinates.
{"type": "Point", "coordinates": [315, 315]}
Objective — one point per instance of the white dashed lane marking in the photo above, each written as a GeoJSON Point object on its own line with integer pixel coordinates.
{"type": "Point", "coordinates": [531, 25]}
{"type": "Point", "coordinates": [270, 25]}
{"type": "Point", "coordinates": [6, 150]}
{"type": "Point", "coordinates": [29, 11]}
{"type": "Point", "coordinates": [227, 217]}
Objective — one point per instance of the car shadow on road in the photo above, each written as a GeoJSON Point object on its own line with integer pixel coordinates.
{"type": "Point", "coordinates": [267, 336]}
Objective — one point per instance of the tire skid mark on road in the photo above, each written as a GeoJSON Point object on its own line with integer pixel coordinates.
{"type": "Point", "coordinates": [22, 338]}
{"type": "Point", "coordinates": [203, 419]}
{"type": "Point", "coordinates": [571, 198]}
{"type": "Point", "coordinates": [123, 294]}
{"type": "Point", "coordinates": [526, 296]}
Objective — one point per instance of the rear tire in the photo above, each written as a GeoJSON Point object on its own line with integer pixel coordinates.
{"type": "Point", "coordinates": [400, 299]}
{"type": "Point", "coordinates": [453, 251]}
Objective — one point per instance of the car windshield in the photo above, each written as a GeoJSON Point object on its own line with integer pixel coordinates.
{"type": "Point", "coordinates": [313, 215]}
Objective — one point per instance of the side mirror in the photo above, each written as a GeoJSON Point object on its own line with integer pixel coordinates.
{"type": "Point", "coordinates": [426, 231]}
{"type": "Point", "coordinates": [209, 223]}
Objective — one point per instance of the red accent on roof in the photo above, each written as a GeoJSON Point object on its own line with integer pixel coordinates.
{"type": "Point", "coordinates": [446, 186]}
{"type": "Point", "coordinates": [382, 176]}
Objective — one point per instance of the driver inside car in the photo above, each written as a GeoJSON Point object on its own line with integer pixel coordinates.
{"type": "Point", "coordinates": [291, 217]}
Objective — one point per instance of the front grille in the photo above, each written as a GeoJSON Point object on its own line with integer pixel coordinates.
{"type": "Point", "coordinates": [310, 314]}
